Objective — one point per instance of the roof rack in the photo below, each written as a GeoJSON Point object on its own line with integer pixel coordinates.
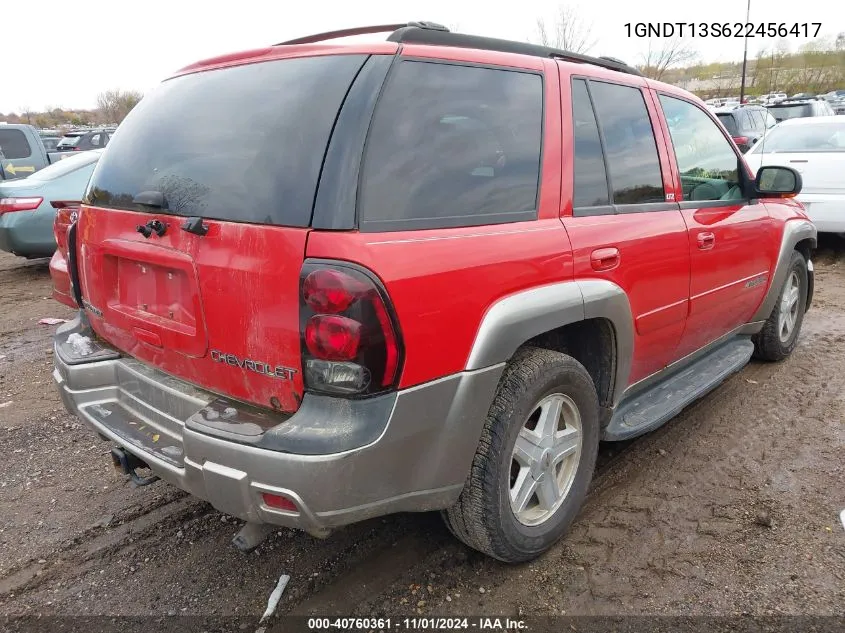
{"type": "Point", "coordinates": [438, 35]}
{"type": "Point", "coordinates": [361, 30]}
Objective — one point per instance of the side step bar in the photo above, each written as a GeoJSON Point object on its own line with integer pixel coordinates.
{"type": "Point", "coordinates": [662, 402]}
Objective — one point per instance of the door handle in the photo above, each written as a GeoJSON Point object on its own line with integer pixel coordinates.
{"type": "Point", "coordinates": [605, 258]}
{"type": "Point", "coordinates": [706, 241]}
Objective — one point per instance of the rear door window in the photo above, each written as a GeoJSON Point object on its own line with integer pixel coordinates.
{"type": "Point", "coordinates": [590, 179]}
{"type": "Point", "coordinates": [243, 144]}
{"type": "Point", "coordinates": [757, 123]}
{"type": "Point", "coordinates": [629, 144]}
{"type": "Point", "coordinates": [14, 144]}
{"type": "Point", "coordinates": [452, 145]}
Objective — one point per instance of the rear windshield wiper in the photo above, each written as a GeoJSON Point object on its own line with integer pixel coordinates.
{"type": "Point", "coordinates": [150, 199]}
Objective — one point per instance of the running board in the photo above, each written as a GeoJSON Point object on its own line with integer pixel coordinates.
{"type": "Point", "coordinates": [662, 402]}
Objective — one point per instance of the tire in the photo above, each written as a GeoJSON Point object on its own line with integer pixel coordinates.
{"type": "Point", "coordinates": [531, 387]}
{"type": "Point", "coordinates": [777, 339]}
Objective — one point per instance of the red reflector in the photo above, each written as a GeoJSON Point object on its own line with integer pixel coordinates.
{"type": "Point", "coordinates": [278, 502]}
{"type": "Point", "coordinates": [8, 205]}
{"type": "Point", "coordinates": [332, 337]}
{"type": "Point", "coordinates": [391, 350]}
{"type": "Point", "coordinates": [330, 291]}
{"type": "Point", "coordinates": [65, 216]}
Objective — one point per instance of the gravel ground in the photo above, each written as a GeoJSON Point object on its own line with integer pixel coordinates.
{"type": "Point", "coordinates": [731, 508]}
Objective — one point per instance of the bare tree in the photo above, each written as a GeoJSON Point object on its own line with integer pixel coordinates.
{"type": "Point", "coordinates": [671, 52]}
{"type": "Point", "coordinates": [568, 31]}
{"type": "Point", "coordinates": [26, 112]}
{"type": "Point", "coordinates": [114, 105]}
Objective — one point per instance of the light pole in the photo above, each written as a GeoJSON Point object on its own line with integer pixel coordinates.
{"type": "Point", "coordinates": [744, 56]}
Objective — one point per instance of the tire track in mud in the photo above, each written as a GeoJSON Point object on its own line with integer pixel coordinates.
{"type": "Point", "coordinates": [92, 545]}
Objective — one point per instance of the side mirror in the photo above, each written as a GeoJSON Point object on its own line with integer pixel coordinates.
{"type": "Point", "coordinates": [774, 181]}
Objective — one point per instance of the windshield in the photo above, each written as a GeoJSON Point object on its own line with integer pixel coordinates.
{"type": "Point", "coordinates": [66, 166]}
{"type": "Point", "coordinates": [816, 137]}
{"type": "Point", "coordinates": [243, 144]}
{"type": "Point", "coordinates": [729, 122]}
{"type": "Point", "coordinates": [781, 113]}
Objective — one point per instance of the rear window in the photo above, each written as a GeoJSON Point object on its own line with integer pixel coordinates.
{"type": "Point", "coordinates": [69, 141]}
{"type": "Point", "coordinates": [14, 144]}
{"type": "Point", "coordinates": [814, 137]}
{"type": "Point", "coordinates": [243, 144]}
{"type": "Point", "coordinates": [452, 145]}
{"type": "Point", "coordinates": [729, 122]}
{"type": "Point", "coordinates": [781, 113]}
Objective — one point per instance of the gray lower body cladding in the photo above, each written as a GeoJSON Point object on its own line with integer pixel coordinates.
{"type": "Point", "coordinates": [413, 450]}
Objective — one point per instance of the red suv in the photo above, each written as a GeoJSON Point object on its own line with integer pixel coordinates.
{"type": "Point", "coordinates": [321, 283]}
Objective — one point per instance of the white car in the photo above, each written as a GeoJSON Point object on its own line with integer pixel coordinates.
{"type": "Point", "coordinates": [815, 146]}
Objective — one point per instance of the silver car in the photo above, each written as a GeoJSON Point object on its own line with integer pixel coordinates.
{"type": "Point", "coordinates": [26, 212]}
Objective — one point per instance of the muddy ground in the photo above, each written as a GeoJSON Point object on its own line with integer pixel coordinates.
{"type": "Point", "coordinates": [729, 509]}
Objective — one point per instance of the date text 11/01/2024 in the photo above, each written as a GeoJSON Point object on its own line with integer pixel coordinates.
{"type": "Point", "coordinates": [722, 29]}
{"type": "Point", "coordinates": [417, 624]}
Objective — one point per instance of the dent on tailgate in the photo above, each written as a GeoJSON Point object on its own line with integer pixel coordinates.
{"type": "Point", "coordinates": [219, 310]}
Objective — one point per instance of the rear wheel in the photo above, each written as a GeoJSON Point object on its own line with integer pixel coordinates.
{"type": "Point", "coordinates": [535, 459]}
{"type": "Point", "coordinates": [779, 335]}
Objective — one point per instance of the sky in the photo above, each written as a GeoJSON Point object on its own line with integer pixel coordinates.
{"type": "Point", "coordinates": [65, 53]}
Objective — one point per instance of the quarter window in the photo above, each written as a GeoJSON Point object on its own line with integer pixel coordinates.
{"type": "Point", "coordinates": [706, 161]}
{"type": "Point", "coordinates": [452, 145]}
{"type": "Point", "coordinates": [629, 144]}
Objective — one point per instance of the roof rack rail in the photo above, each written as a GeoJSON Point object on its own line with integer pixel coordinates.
{"type": "Point", "coordinates": [438, 35]}
{"type": "Point", "coordinates": [362, 30]}
{"type": "Point", "coordinates": [414, 34]}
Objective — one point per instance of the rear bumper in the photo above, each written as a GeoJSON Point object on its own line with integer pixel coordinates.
{"type": "Point", "coordinates": [418, 461]}
{"type": "Point", "coordinates": [28, 233]}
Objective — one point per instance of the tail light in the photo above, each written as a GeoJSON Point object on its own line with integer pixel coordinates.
{"type": "Point", "coordinates": [741, 140]}
{"type": "Point", "coordinates": [66, 214]}
{"type": "Point", "coordinates": [350, 342]}
{"type": "Point", "coordinates": [9, 205]}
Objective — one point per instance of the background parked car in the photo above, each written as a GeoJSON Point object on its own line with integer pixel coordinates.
{"type": "Point", "coordinates": [84, 140]}
{"type": "Point", "coordinates": [798, 108]}
{"type": "Point", "coordinates": [22, 152]}
{"type": "Point", "coordinates": [815, 147]}
{"type": "Point", "coordinates": [774, 97]}
{"type": "Point", "coordinates": [745, 123]}
{"type": "Point", "coordinates": [50, 142]}
{"type": "Point", "coordinates": [836, 100]}
{"type": "Point", "coordinates": [26, 213]}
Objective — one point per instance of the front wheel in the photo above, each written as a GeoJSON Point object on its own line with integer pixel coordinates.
{"type": "Point", "coordinates": [534, 461]}
{"type": "Point", "coordinates": [779, 335]}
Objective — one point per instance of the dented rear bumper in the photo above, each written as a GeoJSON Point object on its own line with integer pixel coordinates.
{"type": "Point", "coordinates": [340, 461]}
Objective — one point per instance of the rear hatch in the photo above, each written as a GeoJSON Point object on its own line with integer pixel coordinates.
{"type": "Point", "coordinates": [194, 226]}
